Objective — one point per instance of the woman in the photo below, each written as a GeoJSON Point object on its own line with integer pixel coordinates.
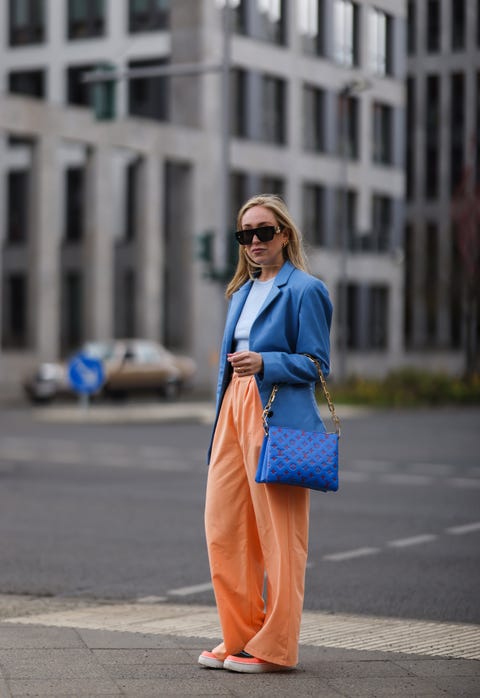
{"type": "Point", "coordinates": [277, 314]}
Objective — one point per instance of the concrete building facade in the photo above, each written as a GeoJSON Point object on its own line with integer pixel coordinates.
{"type": "Point", "coordinates": [102, 221]}
{"type": "Point", "coordinates": [443, 142]}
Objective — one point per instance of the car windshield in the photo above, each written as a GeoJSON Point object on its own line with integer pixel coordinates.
{"type": "Point", "coordinates": [98, 350]}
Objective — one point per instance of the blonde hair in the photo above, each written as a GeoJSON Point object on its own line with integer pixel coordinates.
{"type": "Point", "coordinates": [294, 251]}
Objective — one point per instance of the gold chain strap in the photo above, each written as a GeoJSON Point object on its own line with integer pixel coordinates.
{"type": "Point", "coordinates": [331, 407]}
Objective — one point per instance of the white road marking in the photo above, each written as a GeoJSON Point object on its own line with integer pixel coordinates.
{"type": "Point", "coordinates": [466, 528]}
{"type": "Point", "coordinates": [468, 482]}
{"type": "Point", "coordinates": [344, 631]}
{"type": "Point", "coordinates": [195, 589]}
{"type": "Point", "coordinates": [151, 599]}
{"type": "Point", "coordinates": [413, 540]}
{"type": "Point", "coordinates": [406, 479]}
{"type": "Point", "coordinates": [350, 554]}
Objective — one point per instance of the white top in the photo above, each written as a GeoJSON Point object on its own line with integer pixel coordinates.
{"type": "Point", "coordinates": [255, 299]}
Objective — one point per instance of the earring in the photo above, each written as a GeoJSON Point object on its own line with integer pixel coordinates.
{"type": "Point", "coordinates": [285, 244]}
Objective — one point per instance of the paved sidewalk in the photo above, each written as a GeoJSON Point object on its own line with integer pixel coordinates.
{"type": "Point", "coordinates": [147, 649]}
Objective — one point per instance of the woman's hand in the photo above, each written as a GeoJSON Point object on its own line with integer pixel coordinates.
{"type": "Point", "coordinates": [246, 363]}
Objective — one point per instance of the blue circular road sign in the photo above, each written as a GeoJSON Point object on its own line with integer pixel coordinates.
{"type": "Point", "coordinates": [85, 373]}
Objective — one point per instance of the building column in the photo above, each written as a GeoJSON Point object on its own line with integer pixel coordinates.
{"type": "Point", "coordinates": [99, 259]}
{"type": "Point", "coordinates": [150, 247]}
{"type": "Point", "coordinates": [44, 253]}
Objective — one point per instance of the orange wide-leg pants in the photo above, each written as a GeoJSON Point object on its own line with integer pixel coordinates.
{"type": "Point", "coordinates": [253, 530]}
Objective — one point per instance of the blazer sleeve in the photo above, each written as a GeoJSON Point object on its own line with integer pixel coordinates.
{"type": "Point", "coordinates": [313, 337]}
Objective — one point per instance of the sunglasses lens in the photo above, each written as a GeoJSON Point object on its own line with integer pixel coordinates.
{"type": "Point", "coordinates": [264, 234]}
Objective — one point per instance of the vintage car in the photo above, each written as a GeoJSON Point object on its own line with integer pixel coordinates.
{"type": "Point", "coordinates": [129, 366]}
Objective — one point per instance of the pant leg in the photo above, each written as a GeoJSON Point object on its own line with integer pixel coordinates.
{"type": "Point", "coordinates": [272, 525]}
{"type": "Point", "coordinates": [234, 550]}
{"type": "Point", "coordinates": [282, 517]}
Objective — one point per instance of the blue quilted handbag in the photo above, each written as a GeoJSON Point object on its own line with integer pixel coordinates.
{"type": "Point", "coordinates": [297, 457]}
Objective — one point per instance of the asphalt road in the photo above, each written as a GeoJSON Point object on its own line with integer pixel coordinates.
{"type": "Point", "coordinates": [116, 511]}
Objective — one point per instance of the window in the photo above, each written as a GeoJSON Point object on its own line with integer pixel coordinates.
{"type": "Point", "coordinates": [270, 20]}
{"type": "Point", "coordinates": [313, 118]}
{"type": "Point", "coordinates": [149, 96]}
{"type": "Point", "coordinates": [273, 116]}
{"type": "Point", "coordinates": [29, 82]}
{"type": "Point", "coordinates": [148, 15]}
{"type": "Point", "coordinates": [86, 19]}
{"type": "Point", "coordinates": [433, 26]}
{"type": "Point", "coordinates": [15, 311]}
{"type": "Point", "coordinates": [78, 92]}
{"type": "Point", "coordinates": [310, 15]}
{"type": "Point", "coordinates": [345, 32]}
{"type": "Point", "coordinates": [17, 206]}
{"type": "Point", "coordinates": [409, 290]}
{"type": "Point", "coordinates": [74, 203]}
{"type": "Point", "coordinates": [382, 134]}
{"type": "Point", "coordinates": [457, 129]}
{"type": "Point", "coordinates": [272, 185]}
{"type": "Point", "coordinates": [348, 126]}
{"type": "Point", "coordinates": [238, 194]}
{"type": "Point", "coordinates": [458, 24]}
{"type": "Point", "coordinates": [367, 317]}
{"type": "Point", "coordinates": [431, 281]}
{"type": "Point", "coordinates": [477, 140]}
{"type": "Point", "coordinates": [432, 136]}
{"type": "Point", "coordinates": [456, 292]}
{"type": "Point", "coordinates": [313, 214]}
{"type": "Point", "coordinates": [346, 217]}
{"type": "Point", "coordinates": [380, 42]}
{"type": "Point", "coordinates": [72, 311]}
{"type": "Point", "coordinates": [410, 137]}
{"type": "Point", "coordinates": [27, 22]}
{"type": "Point", "coordinates": [131, 203]}
{"type": "Point", "coordinates": [238, 103]}
{"type": "Point", "coordinates": [411, 27]}
{"type": "Point", "coordinates": [129, 294]}
{"type": "Point", "coordinates": [381, 238]}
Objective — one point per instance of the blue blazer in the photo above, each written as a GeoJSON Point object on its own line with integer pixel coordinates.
{"type": "Point", "coordinates": [294, 320]}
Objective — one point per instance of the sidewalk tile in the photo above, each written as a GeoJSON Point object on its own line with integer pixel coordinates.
{"type": "Point", "coordinates": [48, 688]}
{"type": "Point", "coordinates": [18, 637]}
{"type": "Point", "coordinates": [50, 663]}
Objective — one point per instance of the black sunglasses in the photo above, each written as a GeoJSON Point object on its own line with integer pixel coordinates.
{"type": "Point", "coordinates": [265, 233]}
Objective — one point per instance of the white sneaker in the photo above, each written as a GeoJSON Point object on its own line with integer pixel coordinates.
{"type": "Point", "coordinates": [209, 660]}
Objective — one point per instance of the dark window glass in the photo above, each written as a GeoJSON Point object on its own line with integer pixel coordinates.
{"type": "Point", "coordinates": [86, 19]}
{"type": "Point", "coordinates": [72, 320]}
{"type": "Point", "coordinates": [345, 32]}
{"type": "Point", "coordinates": [148, 15]}
{"type": "Point", "coordinates": [129, 293]}
{"type": "Point", "coordinates": [380, 44]}
{"type": "Point", "coordinates": [456, 293]}
{"type": "Point", "coordinates": [409, 290]}
{"type": "Point", "coordinates": [431, 281]}
{"type": "Point", "coordinates": [238, 193]}
{"type": "Point", "coordinates": [273, 116]}
{"type": "Point", "coordinates": [29, 82]}
{"type": "Point", "coordinates": [378, 318]}
{"type": "Point", "coordinates": [239, 17]}
{"type": "Point", "coordinates": [382, 134]}
{"type": "Point", "coordinates": [458, 24]}
{"type": "Point", "coordinates": [348, 126]}
{"type": "Point", "coordinates": [131, 208]}
{"type": "Point", "coordinates": [312, 26]}
{"type": "Point", "coordinates": [17, 206]}
{"type": "Point", "coordinates": [74, 203]}
{"type": "Point", "coordinates": [411, 27]}
{"type": "Point", "coordinates": [457, 129]}
{"type": "Point", "coordinates": [432, 136]}
{"type": "Point", "coordinates": [478, 23]}
{"type": "Point", "coordinates": [477, 140]}
{"type": "Point", "coordinates": [272, 185]}
{"type": "Point", "coordinates": [433, 26]}
{"type": "Point", "coordinates": [260, 19]}
{"type": "Point", "coordinates": [381, 223]}
{"type": "Point", "coordinates": [346, 217]}
{"type": "Point", "coordinates": [149, 96]}
{"type": "Point", "coordinates": [410, 138]}
{"type": "Point", "coordinates": [15, 311]}
{"type": "Point", "coordinates": [313, 118]}
{"type": "Point", "coordinates": [78, 92]}
{"type": "Point", "coordinates": [27, 22]}
{"type": "Point", "coordinates": [313, 214]}
{"type": "Point", "coordinates": [238, 103]}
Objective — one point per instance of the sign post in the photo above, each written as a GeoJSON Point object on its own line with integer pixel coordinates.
{"type": "Point", "coordinates": [86, 376]}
